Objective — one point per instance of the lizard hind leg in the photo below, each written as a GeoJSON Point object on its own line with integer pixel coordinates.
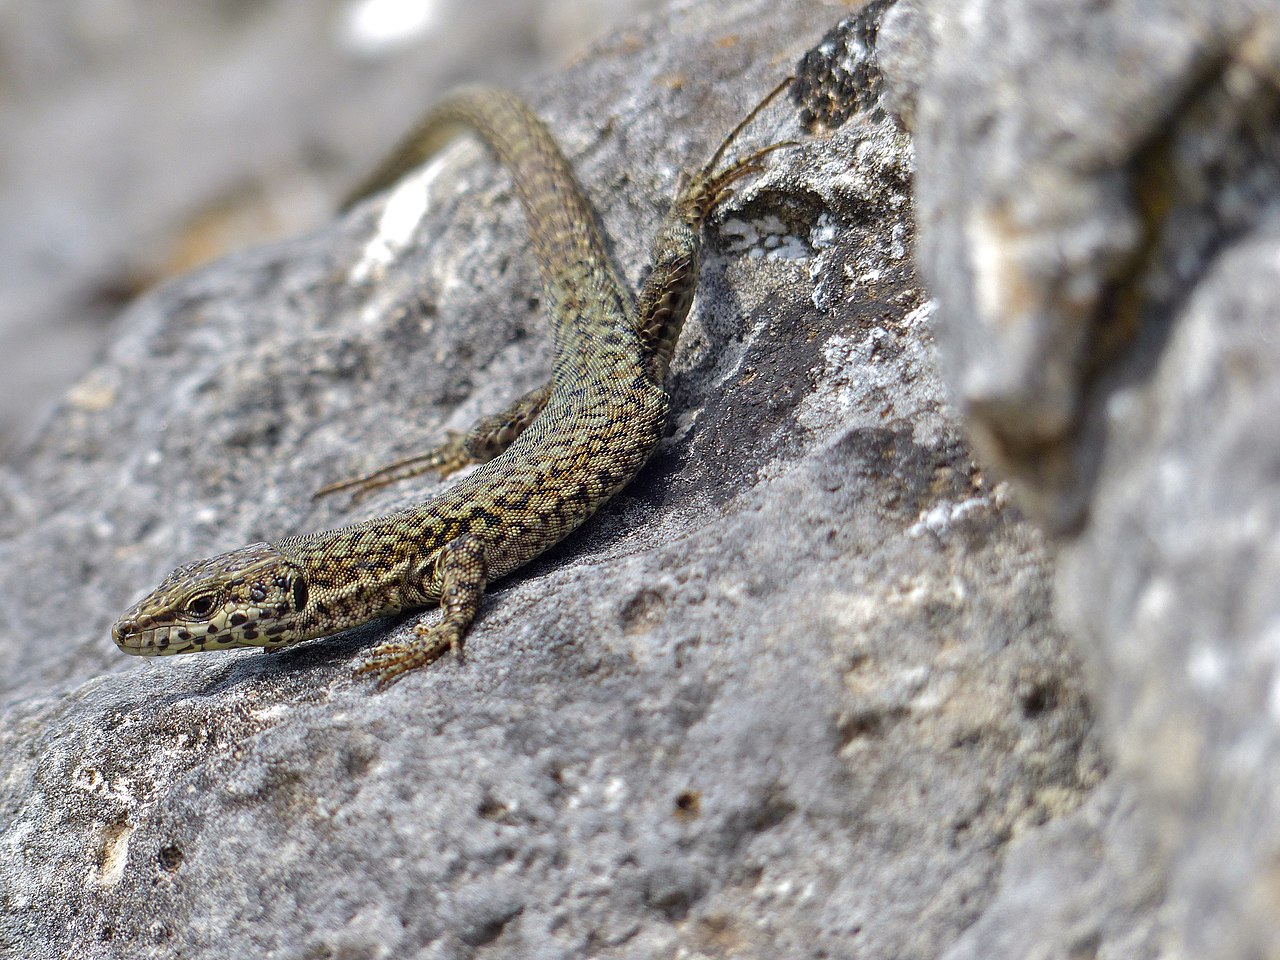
{"type": "Point", "coordinates": [739, 168]}
{"type": "Point", "coordinates": [666, 295]}
{"type": "Point", "coordinates": [485, 439]}
{"type": "Point", "coordinates": [706, 189]}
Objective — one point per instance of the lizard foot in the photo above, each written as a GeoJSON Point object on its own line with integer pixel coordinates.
{"type": "Point", "coordinates": [389, 661]}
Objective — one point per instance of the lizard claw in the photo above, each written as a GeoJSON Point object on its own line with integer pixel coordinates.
{"type": "Point", "coordinates": [391, 660]}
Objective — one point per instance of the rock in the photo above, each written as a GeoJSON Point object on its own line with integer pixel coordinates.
{"type": "Point", "coordinates": [792, 694]}
{"type": "Point", "coordinates": [1100, 218]}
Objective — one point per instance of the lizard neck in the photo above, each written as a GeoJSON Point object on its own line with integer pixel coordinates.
{"type": "Point", "coordinates": [359, 573]}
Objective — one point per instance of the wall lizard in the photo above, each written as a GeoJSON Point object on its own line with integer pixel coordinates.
{"type": "Point", "coordinates": [547, 461]}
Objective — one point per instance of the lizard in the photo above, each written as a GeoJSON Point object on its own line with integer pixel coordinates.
{"type": "Point", "coordinates": [546, 462]}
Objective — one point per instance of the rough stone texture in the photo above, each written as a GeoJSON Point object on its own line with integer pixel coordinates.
{"type": "Point", "coordinates": [1099, 198]}
{"type": "Point", "coordinates": [792, 694]}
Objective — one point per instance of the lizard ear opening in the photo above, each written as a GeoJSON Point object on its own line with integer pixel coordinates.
{"type": "Point", "coordinates": [299, 594]}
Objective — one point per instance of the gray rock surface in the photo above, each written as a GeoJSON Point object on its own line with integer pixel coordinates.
{"type": "Point", "coordinates": [1099, 199]}
{"type": "Point", "coordinates": [792, 694]}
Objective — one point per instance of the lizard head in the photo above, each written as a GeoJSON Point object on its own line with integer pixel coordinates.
{"type": "Point", "coordinates": [251, 597]}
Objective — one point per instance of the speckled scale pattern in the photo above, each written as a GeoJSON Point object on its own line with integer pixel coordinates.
{"type": "Point", "coordinates": [600, 423]}
{"type": "Point", "coordinates": [841, 75]}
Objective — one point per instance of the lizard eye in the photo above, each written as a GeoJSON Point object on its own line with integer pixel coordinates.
{"type": "Point", "coordinates": [200, 606]}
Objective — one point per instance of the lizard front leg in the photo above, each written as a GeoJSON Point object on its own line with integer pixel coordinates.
{"type": "Point", "coordinates": [461, 571]}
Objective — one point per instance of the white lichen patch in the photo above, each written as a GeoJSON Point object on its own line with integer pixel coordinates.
{"type": "Point", "coordinates": [921, 314]}
{"type": "Point", "coordinates": [824, 234]}
{"type": "Point", "coordinates": [764, 238]}
{"type": "Point", "coordinates": [401, 214]}
{"type": "Point", "coordinates": [851, 374]}
{"type": "Point", "coordinates": [941, 517]}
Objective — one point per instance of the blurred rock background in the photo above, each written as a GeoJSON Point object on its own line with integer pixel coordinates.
{"type": "Point", "coordinates": [142, 138]}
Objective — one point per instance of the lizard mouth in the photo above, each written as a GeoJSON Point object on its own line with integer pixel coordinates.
{"type": "Point", "coordinates": [143, 641]}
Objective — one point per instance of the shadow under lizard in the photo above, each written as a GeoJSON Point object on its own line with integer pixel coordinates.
{"type": "Point", "coordinates": [548, 460]}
